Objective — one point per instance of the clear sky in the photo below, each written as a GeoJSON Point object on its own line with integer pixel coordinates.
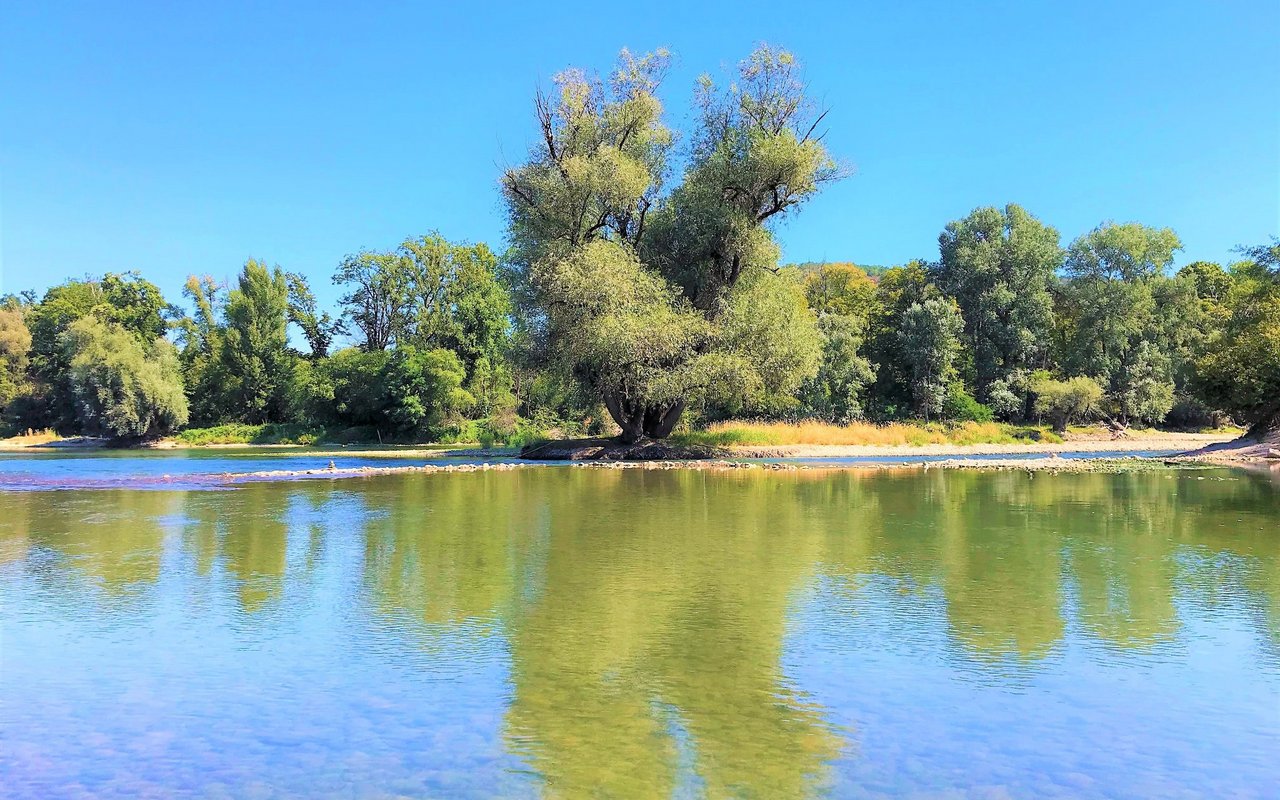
{"type": "Point", "coordinates": [178, 138]}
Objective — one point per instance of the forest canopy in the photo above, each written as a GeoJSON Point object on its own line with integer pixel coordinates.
{"type": "Point", "coordinates": [641, 288]}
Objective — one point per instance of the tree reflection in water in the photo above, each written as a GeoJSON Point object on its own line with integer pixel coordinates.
{"type": "Point", "coordinates": [646, 615]}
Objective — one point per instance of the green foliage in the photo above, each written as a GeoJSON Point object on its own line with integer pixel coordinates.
{"type": "Point", "coordinates": [1005, 398]}
{"type": "Point", "coordinates": [202, 338]}
{"type": "Point", "coordinates": [960, 406]}
{"type": "Point", "coordinates": [930, 343]}
{"type": "Point", "coordinates": [125, 300]}
{"type": "Point", "coordinates": [318, 327]}
{"type": "Point", "coordinates": [136, 305]}
{"type": "Point", "coordinates": [122, 388]}
{"type": "Point", "coordinates": [352, 389]}
{"type": "Point", "coordinates": [835, 393]}
{"type": "Point", "coordinates": [767, 327]}
{"type": "Point", "coordinates": [899, 288]}
{"type": "Point", "coordinates": [424, 387]}
{"type": "Point", "coordinates": [404, 393]}
{"type": "Point", "coordinates": [1239, 369]}
{"type": "Point", "coordinates": [15, 347]}
{"type": "Point", "coordinates": [842, 289]}
{"type": "Point", "coordinates": [1065, 402]}
{"type": "Point", "coordinates": [998, 264]}
{"type": "Point", "coordinates": [490, 387]}
{"type": "Point", "coordinates": [429, 293]}
{"type": "Point", "coordinates": [1210, 282]}
{"type": "Point", "coordinates": [255, 363]}
{"type": "Point", "coordinates": [240, 433]}
{"type": "Point", "coordinates": [1126, 324]}
{"type": "Point", "coordinates": [653, 300]}
{"type": "Point", "coordinates": [1264, 257]}
{"type": "Point", "coordinates": [1144, 392]}
{"type": "Point", "coordinates": [640, 285]}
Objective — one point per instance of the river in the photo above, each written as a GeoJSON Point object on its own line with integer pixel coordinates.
{"type": "Point", "coordinates": [568, 632]}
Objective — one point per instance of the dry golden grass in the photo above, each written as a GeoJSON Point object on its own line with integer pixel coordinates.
{"type": "Point", "coordinates": [862, 434]}
{"type": "Point", "coordinates": [31, 438]}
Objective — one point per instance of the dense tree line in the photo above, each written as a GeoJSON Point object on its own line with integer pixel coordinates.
{"type": "Point", "coordinates": [642, 285]}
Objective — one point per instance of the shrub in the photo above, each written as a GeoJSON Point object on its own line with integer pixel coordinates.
{"type": "Point", "coordinates": [1004, 403]}
{"type": "Point", "coordinates": [1064, 402]}
{"type": "Point", "coordinates": [241, 433]}
{"type": "Point", "coordinates": [960, 406]}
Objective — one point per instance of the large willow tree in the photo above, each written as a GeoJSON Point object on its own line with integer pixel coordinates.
{"type": "Point", "coordinates": [655, 295]}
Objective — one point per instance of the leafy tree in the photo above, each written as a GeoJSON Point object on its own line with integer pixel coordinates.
{"type": "Point", "coordinates": [136, 305]}
{"type": "Point", "coordinates": [131, 302]}
{"type": "Point", "coordinates": [843, 289]}
{"type": "Point", "coordinates": [930, 337]}
{"type": "Point", "coordinates": [1144, 391]}
{"type": "Point", "coordinates": [1064, 402]}
{"type": "Point", "coordinates": [998, 264]}
{"type": "Point", "coordinates": [254, 357]}
{"type": "Point", "coordinates": [346, 389]}
{"type": "Point", "coordinates": [61, 306]}
{"type": "Point", "coordinates": [202, 336]}
{"type": "Point", "coordinates": [1110, 302]}
{"type": "Point", "coordinates": [379, 302]}
{"type": "Point", "coordinates": [429, 293]}
{"type": "Point", "coordinates": [899, 288]}
{"type": "Point", "coordinates": [1178, 329]}
{"type": "Point", "coordinates": [479, 310]}
{"type": "Point", "coordinates": [835, 393]}
{"type": "Point", "coordinates": [123, 388]}
{"type": "Point", "coordinates": [1240, 368]}
{"type": "Point", "coordinates": [15, 347]}
{"type": "Point", "coordinates": [769, 309]}
{"type": "Point", "coordinates": [639, 291]}
{"type": "Point", "coordinates": [318, 327]}
{"type": "Point", "coordinates": [490, 385]}
{"type": "Point", "coordinates": [1266, 257]}
{"type": "Point", "coordinates": [1211, 283]}
{"type": "Point", "coordinates": [424, 388]}
{"type": "Point", "coordinates": [403, 392]}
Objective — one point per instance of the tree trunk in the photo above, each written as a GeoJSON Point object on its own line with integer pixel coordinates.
{"type": "Point", "coordinates": [628, 416]}
{"type": "Point", "coordinates": [638, 420]}
{"type": "Point", "coordinates": [659, 421]}
{"type": "Point", "coordinates": [1267, 428]}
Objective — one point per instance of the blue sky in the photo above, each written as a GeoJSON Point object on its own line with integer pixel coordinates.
{"type": "Point", "coordinates": [185, 138]}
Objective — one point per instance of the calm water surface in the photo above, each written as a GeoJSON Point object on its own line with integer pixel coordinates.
{"type": "Point", "coordinates": [568, 632]}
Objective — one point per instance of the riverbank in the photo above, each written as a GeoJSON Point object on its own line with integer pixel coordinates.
{"type": "Point", "coordinates": [1218, 444]}
{"type": "Point", "coordinates": [1138, 443]}
{"type": "Point", "coordinates": [1090, 442]}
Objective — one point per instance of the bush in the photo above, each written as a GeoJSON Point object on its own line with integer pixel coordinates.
{"type": "Point", "coordinates": [1004, 402]}
{"type": "Point", "coordinates": [1189, 413]}
{"type": "Point", "coordinates": [241, 433]}
{"type": "Point", "coordinates": [1064, 402]}
{"type": "Point", "coordinates": [959, 406]}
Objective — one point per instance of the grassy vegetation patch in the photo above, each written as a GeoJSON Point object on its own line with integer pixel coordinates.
{"type": "Point", "coordinates": [730, 434]}
{"type": "Point", "coordinates": [239, 433]}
